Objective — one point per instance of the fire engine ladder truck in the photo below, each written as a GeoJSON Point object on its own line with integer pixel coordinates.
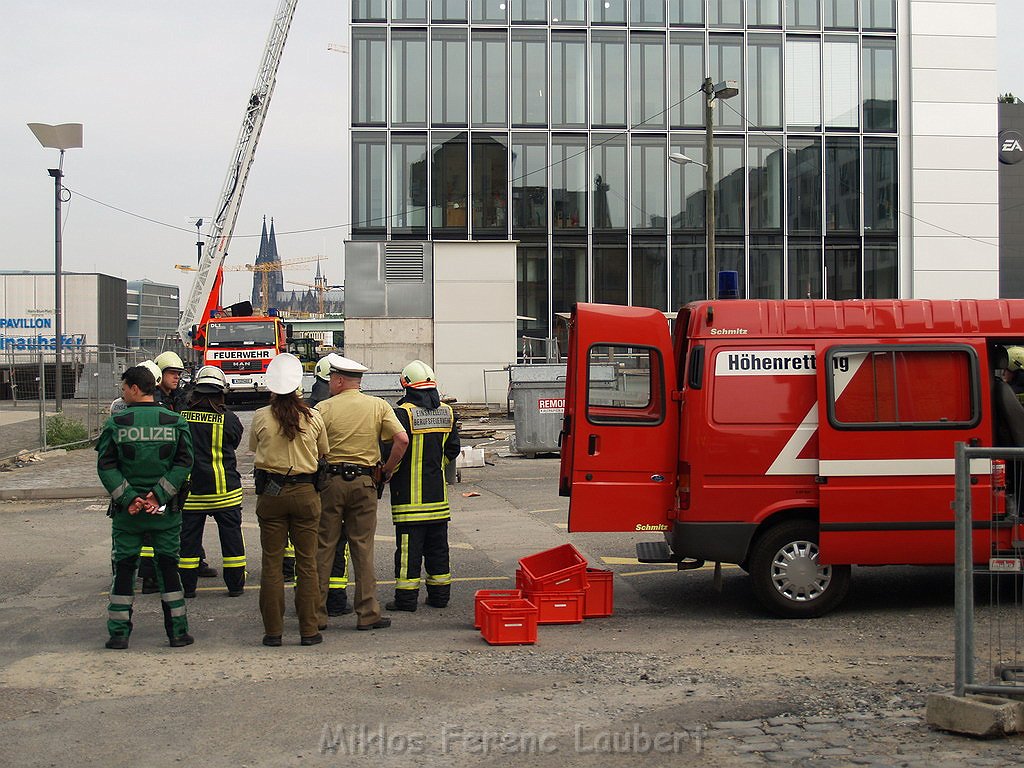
{"type": "Point", "coordinates": [219, 237]}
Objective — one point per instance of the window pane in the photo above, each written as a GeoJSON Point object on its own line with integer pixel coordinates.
{"type": "Point", "coordinates": [532, 289]}
{"type": "Point", "coordinates": [764, 81]}
{"type": "Point", "coordinates": [842, 185]}
{"type": "Point", "coordinates": [725, 13]}
{"type": "Point", "coordinates": [765, 171]}
{"type": "Point", "coordinates": [490, 11]}
{"type": "Point", "coordinates": [880, 271]}
{"type": "Point", "coordinates": [610, 275]}
{"type": "Point", "coordinates": [569, 80]}
{"type": "Point", "coordinates": [689, 266]}
{"type": "Point", "coordinates": [569, 277]}
{"type": "Point", "coordinates": [369, 10]}
{"type": "Point", "coordinates": [409, 78]}
{"type": "Point", "coordinates": [804, 262]}
{"type": "Point", "coordinates": [840, 68]}
{"type": "Point", "coordinates": [880, 14]}
{"type": "Point", "coordinates": [730, 200]}
{"type": "Point", "coordinates": [369, 63]}
{"type": "Point", "coordinates": [529, 182]}
{"type": "Point", "coordinates": [369, 172]}
{"type": "Point", "coordinates": [568, 11]}
{"type": "Point", "coordinates": [647, 13]}
{"type": "Point", "coordinates": [650, 279]}
{"type": "Point", "coordinates": [609, 170]}
{"type": "Point", "coordinates": [648, 81]}
{"type": "Point", "coordinates": [687, 180]}
{"type": "Point", "coordinates": [449, 184]}
{"type": "Point", "coordinates": [842, 271]}
{"type": "Point", "coordinates": [804, 186]}
{"type": "Point", "coordinates": [686, 76]}
{"type": "Point", "coordinates": [802, 14]}
{"type": "Point", "coordinates": [880, 185]}
{"type": "Point", "coordinates": [489, 78]}
{"type": "Point", "coordinates": [688, 12]}
{"type": "Point", "coordinates": [725, 62]}
{"type": "Point", "coordinates": [608, 11]}
{"type": "Point", "coordinates": [448, 78]}
{"type": "Point", "coordinates": [529, 10]}
{"type": "Point", "coordinates": [409, 10]}
{"type": "Point", "coordinates": [764, 13]}
{"type": "Point", "coordinates": [880, 85]}
{"type": "Point", "coordinates": [766, 272]}
{"type": "Point", "coordinates": [409, 182]}
{"type": "Point", "coordinates": [609, 78]}
{"type": "Point", "coordinates": [529, 79]}
{"type": "Point", "coordinates": [730, 258]}
{"type": "Point", "coordinates": [893, 387]}
{"type": "Point", "coordinates": [803, 83]}
{"type": "Point", "coordinates": [840, 14]}
{"type": "Point", "coordinates": [624, 385]}
{"type": "Point", "coordinates": [647, 208]}
{"type": "Point", "coordinates": [490, 181]}
{"type": "Point", "coordinates": [448, 10]}
{"type": "Point", "coordinates": [569, 182]}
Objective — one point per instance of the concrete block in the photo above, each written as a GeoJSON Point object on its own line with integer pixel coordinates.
{"type": "Point", "coordinates": [986, 717]}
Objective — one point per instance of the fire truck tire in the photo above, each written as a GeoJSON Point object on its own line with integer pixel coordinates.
{"type": "Point", "coordinates": [786, 576]}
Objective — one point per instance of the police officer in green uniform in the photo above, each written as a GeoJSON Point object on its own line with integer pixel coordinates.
{"type": "Point", "coordinates": [419, 493]}
{"type": "Point", "coordinates": [145, 455]}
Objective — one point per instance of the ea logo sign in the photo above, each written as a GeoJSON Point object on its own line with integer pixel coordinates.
{"type": "Point", "coordinates": [1011, 147]}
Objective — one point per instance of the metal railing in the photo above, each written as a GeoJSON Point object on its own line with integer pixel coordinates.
{"type": "Point", "coordinates": [90, 381]}
{"type": "Point", "coordinates": [999, 626]}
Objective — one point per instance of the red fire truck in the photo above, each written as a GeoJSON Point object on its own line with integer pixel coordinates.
{"type": "Point", "coordinates": [794, 438]}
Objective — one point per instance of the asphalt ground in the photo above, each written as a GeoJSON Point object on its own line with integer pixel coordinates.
{"type": "Point", "coordinates": [684, 670]}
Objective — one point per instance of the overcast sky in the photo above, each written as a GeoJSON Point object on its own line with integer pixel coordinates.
{"type": "Point", "coordinates": [160, 88]}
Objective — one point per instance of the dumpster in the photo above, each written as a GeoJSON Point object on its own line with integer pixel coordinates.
{"type": "Point", "coordinates": [537, 393]}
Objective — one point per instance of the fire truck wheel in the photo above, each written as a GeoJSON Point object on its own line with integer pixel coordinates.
{"type": "Point", "coordinates": [786, 575]}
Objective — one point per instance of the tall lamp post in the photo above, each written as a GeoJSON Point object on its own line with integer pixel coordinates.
{"type": "Point", "coordinates": [724, 90]}
{"type": "Point", "coordinates": [199, 242]}
{"type": "Point", "coordinates": [60, 137]}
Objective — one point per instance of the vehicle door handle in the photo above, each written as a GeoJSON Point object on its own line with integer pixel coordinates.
{"type": "Point", "coordinates": [592, 445]}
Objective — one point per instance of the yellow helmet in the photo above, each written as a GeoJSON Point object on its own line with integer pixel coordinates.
{"type": "Point", "coordinates": [418, 375]}
{"type": "Point", "coordinates": [169, 360]}
{"type": "Point", "coordinates": [323, 369]}
{"type": "Point", "coordinates": [1016, 355]}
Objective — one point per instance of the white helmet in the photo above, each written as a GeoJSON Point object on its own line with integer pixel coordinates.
{"type": "Point", "coordinates": [117, 406]}
{"type": "Point", "coordinates": [153, 368]}
{"type": "Point", "coordinates": [323, 369]}
{"type": "Point", "coordinates": [418, 375]}
{"type": "Point", "coordinates": [169, 360]}
{"type": "Point", "coordinates": [210, 379]}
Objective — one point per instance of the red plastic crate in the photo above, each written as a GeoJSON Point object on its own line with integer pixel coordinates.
{"type": "Point", "coordinates": [490, 594]}
{"type": "Point", "coordinates": [598, 600]}
{"type": "Point", "coordinates": [508, 622]}
{"type": "Point", "coordinates": [521, 582]}
{"type": "Point", "coordinates": [558, 607]}
{"type": "Point", "coordinates": [562, 569]}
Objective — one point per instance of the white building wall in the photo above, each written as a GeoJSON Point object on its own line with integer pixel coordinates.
{"type": "Point", "coordinates": [953, 192]}
{"type": "Point", "coordinates": [474, 315]}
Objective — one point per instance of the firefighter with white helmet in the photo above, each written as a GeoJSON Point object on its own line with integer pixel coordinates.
{"type": "Point", "coordinates": [169, 394]}
{"type": "Point", "coordinates": [321, 387]}
{"type": "Point", "coordinates": [419, 492]}
{"type": "Point", "coordinates": [216, 486]}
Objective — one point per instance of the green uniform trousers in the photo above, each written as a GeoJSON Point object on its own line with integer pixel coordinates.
{"type": "Point", "coordinates": [127, 532]}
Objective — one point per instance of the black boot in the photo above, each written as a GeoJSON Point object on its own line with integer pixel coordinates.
{"type": "Point", "coordinates": [337, 603]}
{"type": "Point", "coordinates": [405, 600]}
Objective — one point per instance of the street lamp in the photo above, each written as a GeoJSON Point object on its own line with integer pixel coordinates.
{"type": "Point", "coordinates": [724, 90]}
{"type": "Point", "coordinates": [62, 137]}
{"type": "Point", "coordinates": [199, 242]}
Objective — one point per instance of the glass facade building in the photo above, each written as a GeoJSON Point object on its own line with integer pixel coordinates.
{"type": "Point", "coordinates": [551, 122]}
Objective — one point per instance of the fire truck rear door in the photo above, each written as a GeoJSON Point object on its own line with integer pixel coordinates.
{"type": "Point", "coordinates": [620, 442]}
{"type": "Point", "coordinates": [888, 417]}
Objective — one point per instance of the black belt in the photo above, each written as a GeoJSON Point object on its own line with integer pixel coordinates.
{"type": "Point", "coordinates": [290, 479]}
{"type": "Point", "coordinates": [349, 471]}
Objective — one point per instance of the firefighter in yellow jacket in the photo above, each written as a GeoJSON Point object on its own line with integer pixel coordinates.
{"type": "Point", "coordinates": [419, 493]}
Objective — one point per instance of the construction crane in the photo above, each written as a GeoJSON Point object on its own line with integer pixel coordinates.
{"type": "Point", "coordinates": [264, 271]}
{"type": "Point", "coordinates": [222, 225]}
{"type": "Point", "coordinates": [321, 287]}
